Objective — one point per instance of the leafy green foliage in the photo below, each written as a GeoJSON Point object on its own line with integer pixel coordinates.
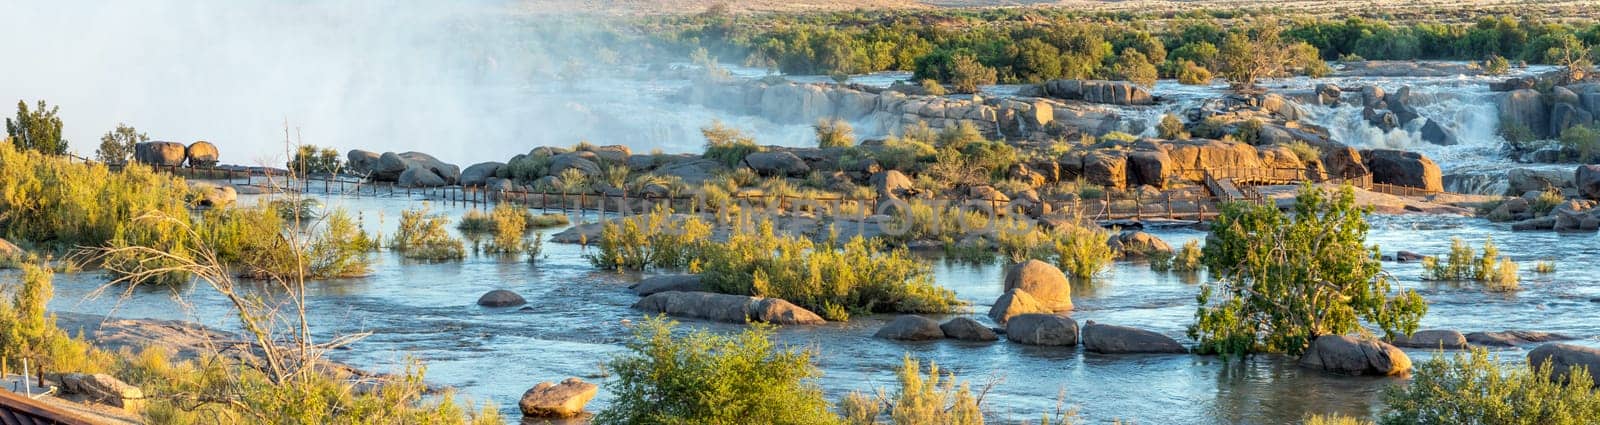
{"type": "Point", "coordinates": [1186, 260]}
{"type": "Point", "coordinates": [728, 145]}
{"type": "Point", "coordinates": [1133, 66]}
{"type": "Point", "coordinates": [1496, 65]}
{"type": "Point", "coordinates": [308, 159]}
{"type": "Point", "coordinates": [38, 129]}
{"type": "Point", "coordinates": [1583, 142]}
{"type": "Point", "coordinates": [834, 134]}
{"type": "Point", "coordinates": [1498, 273]}
{"type": "Point", "coordinates": [28, 332]}
{"type": "Point", "coordinates": [1081, 251]}
{"type": "Point", "coordinates": [1284, 280]}
{"type": "Point", "coordinates": [658, 239]}
{"type": "Point", "coordinates": [422, 236]}
{"type": "Point", "coordinates": [1171, 128]}
{"type": "Point", "coordinates": [116, 147]}
{"type": "Point", "coordinates": [923, 398]}
{"type": "Point", "coordinates": [1477, 388]}
{"type": "Point", "coordinates": [704, 378]}
{"type": "Point", "coordinates": [55, 204]}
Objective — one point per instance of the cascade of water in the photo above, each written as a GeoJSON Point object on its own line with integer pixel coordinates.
{"type": "Point", "coordinates": [1468, 112]}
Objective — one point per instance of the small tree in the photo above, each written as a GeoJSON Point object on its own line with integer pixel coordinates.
{"type": "Point", "coordinates": [1260, 51]}
{"type": "Point", "coordinates": [116, 147]}
{"type": "Point", "coordinates": [704, 378]}
{"type": "Point", "coordinates": [834, 134]}
{"type": "Point", "coordinates": [1571, 54]}
{"type": "Point", "coordinates": [1171, 128]}
{"type": "Point", "coordinates": [966, 74]}
{"type": "Point", "coordinates": [38, 129]}
{"type": "Point", "coordinates": [1133, 66]}
{"type": "Point", "coordinates": [1284, 280]}
{"type": "Point", "coordinates": [1193, 74]}
{"type": "Point", "coordinates": [1496, 65]}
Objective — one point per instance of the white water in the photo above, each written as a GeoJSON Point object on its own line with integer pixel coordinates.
{"type": "Point", "coordinates": [1468, 111]}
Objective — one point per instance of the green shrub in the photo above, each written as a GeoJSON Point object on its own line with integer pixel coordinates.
{"type": "Point", "coordinates": [933, 88]}
{"type": "Point", "coordinates": [1081, 251]}
{"type": "Point", "coordinates": [832, 281]}
{"type": "Point", "coordinates": [834, 134]}
{"type": "Point", "coordinates": [37, 130]}
{"type": "Point", "coordinates": [1496, 272]}
{"type": "Point", "coordinates": [1496, 65]}
{"type": "Point", "coordinates": [923, 398]}
{"type": "Point", "coordinates": [28, 332]}
{"type": "Point", "coordinates": [1515, 132]}
{"type": "Point", "coordinates": [728, 145]}
{"type": "Point", "coordinates": [547, 220]}
{"type": "Point", "coordinates": [1132, 66]}
{"type": "Point", "coordinates": [1544, 267]}
{"type": "Point", "coordinates": [1193, 74]}
{"type": "Point", "coordinates": [1249, 131]}
{"type": "Point", "coordinates": [1583, 141]}
{"type": "Point", "coordinates": [1304, 151]}
{"type": "Point", "coordinates": [308, 159]}
{"type": "Point", "coordinates": [1546, 202]}
{"type": "Point", "coordinates": [1283, 280]}
{"type": "Point", "coordinates": [658, 239]}
{"type": "Point", "coordinates": [52, 203]}
{"type": "Point", "coordinates": [527, 168]}
{"type": "Point", "coordinates": [704, 378]}
{"type": "Point", "coordinates": [116, 147]}
{"type": "Point", "coordinates": [1186, 260]}
{"type": "Point", "coordinates": [1118, 137]}
{"type": "Point", "coordinates": [1171, 128]}
{"type": "Point", "coordinates": [339, 248]}
{"type": "Point", "coordinates": [422, 236]}
{"type": "Point", "coordinates": [510, 225]}
{"type": "Point", "coordinates": [1477, 388]}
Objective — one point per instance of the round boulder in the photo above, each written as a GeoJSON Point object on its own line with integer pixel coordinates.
{"type": "Point", "coordinates": [1352, 355]}
{"type": "Point", "coordinates": [501, 298]}
{"type": "Point", "coordinates": [911, 327]}
{"type": "Point", "coordinates": [1043, 281]}
{"type": "Point", "coordinates": [1137, 244]}
{"type": "Point", "coordinates": [361, 162]}
{"type": "Point", "coordinates": [1014, 303]}
{"type": "Point", "coordinates": [161, 154]}
{"type": "Point", "coordinates": [1111, 339]}
{"type": "Point", "coordinates": [1042, 329]}
{"type": "Point", "coordinates": [419, 177]}
{"type": "Point", "coordinates": [966, 329]}
{"type": "Point", "coordinates": [202, 154]}
{"type": "Point", "coordinates": [1562, 358]}
{"type": "Point", "coordinates": [563, 400]}
{"type": "Point", "coordinates": [479, 174]}
{"type": "Point", "coordinates": [779, 163]}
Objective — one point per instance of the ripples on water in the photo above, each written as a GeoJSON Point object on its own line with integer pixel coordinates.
{"type": "Point", "coordinates": [575, 320]}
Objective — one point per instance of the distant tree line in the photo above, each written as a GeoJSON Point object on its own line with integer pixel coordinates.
{"type": "Point", "coordinates": [1035, 45]}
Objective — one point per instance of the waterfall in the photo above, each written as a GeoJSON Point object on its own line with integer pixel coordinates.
{"type": "Point", "coordinates": [1467, 111]}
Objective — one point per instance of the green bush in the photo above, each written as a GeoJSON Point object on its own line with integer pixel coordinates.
{"type": "Point", "coordinates": [1304, 151]}
{"type": "Point", "coordinates": [116, 147]}
{"type": "Point", "coordinates": [1477, 388]}
{"type": "Point", "coordinates": [28, 332]}
{"type": "Point", "coordinates": [728, 145]}
{"type": "Point", "coordinates": [1135, 67]}
{"type": "Point", "coordinates": [834, 281]}
{"type": "Point", "coordinates": [1249, 131]}
{"type": "Point", "coordinates": [704, 378]}
{"type": "Point", "coordinates": [1496, 272]}
{"type": "Point", "coordinates": [527, 168]}
{"type": "Point", "coordinates": [339, 248]}
{"type": "Point", "coordinates": [1081, 251]}
{"type": "Point", "coordinates": [1171, 128]}
{"type": "Point", "coordinates": [1515, 132]}
{"type": "Point", "coordinates": [422, 236]}
{"type": "Point", "coordinates": [834, 134]}
{"type": "Point", "coordinates": [1582, 141]}
{"type": "Point", "coordinates": [923, 398]}
{"type": "Point", "coordinates": [1283, 280]}
{"type": "Point", "coordinates": [655, 240]}
{"type": "Point", "coordinates": [308, 159]}
{"type": "Point", "coordinates": [1192, 74]}
{"type": "Point", "coordinates": [1186, 260]}
{"type": "Point", "coordinates": [37, 130]}
{"type": "Point", "coordinates": [1496, 65]}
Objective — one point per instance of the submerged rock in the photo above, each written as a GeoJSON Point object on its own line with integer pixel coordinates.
{"type": "Point", "coordinates": [1434, 339]}
{"type": "Point", "coordinates": [1138, 244]}
{"type": "Point", "coordinates": [1513, 338]}
{"type": "Point", "coordinates": [966, 329]}
{"type": "Point", "coordinates": [563, 400]}
{"type": "Point", "coordinates": [1043, 281]}
{"type": "Point", "coordinates": [1352, 355]}
{"type": "Point", "coordinates": [1563, 357]}
{"type": "Point", "coordinates": [1042, 329]}
{"type": "Point", "coordinates": [672, 282]}
{"type": "Point", "coordinates": [1112, 339]}
{"type": "Point", "coordinates": [911, 327]}
{"type": "Point", "coordinates": [501, 298]}
{"type": "Point", "coordinates": [727, 308]}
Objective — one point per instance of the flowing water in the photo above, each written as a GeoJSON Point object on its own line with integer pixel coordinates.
{"type": "Point", "coordinates": [576, 316]}
{"type": "Point", "coordinates": [576, 319]}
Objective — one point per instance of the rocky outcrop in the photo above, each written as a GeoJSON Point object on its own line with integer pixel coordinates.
{"type": "Point", "coordinates": [1106, 168]}
{"type": "Point", "coordinates": [361, 162]}
{"type": "Point", "coordinates": [202, 154]}
{"type": "Point", "coordinates": [672, 282]}
{"type": "Point", "coordinates": [1043, 281]}
{"type": "Point", "coordinates": [727, 308]}
{"type": "Point", "coordinates": [501, 298]}
{"type": "Point", "coordinates": [1150, 168]}
{"type": "Point", "coordinates": [1587, 180]}
{"type": "Point", "coordinates": [1432, 339]}
{"type": "Point", "coordinates": [1352, 355]}
{"type": "Point", "coordinates": [1402, 168]}
{"type": "Point", "coordinates": [1137, 244]}
{"type": "Point", "coordinates": [1524, 180]}
{"type": "Point", "coordinates": [966, 329]}
{"type": "Point", "coordinates": [1526, 107]}
{"type": "Point", "coordinates": [563, 400]}
{"type": "Point", "coordinates": [692, 171]}
{"type": "Point", "coordinates": [413, 169]}
{"type": "Point", "coordinates": [478, 175]}
{"type": "Point", "coordinates": [892, 184]}
{"type": "Point", "coordinates": [211, 195]}
{"type": "Point", "coordinates": [101, 388]}
{"type": "Point", "coordinates": [161, 154]}
{"type": "Point", "coordinates": [419, 177]}
{"type": "Point", "coordinates": [1015, 302]}
{"type": "Point", "coordinates": [584, 162]}
{"type": "Point", "coordinates": [911, 327]}
{"type": "Point", "coordinates": [1111, 339]}
{"type": "Point", "coordinates": [1559, 360]}
{"type": "Point", "coordinates": [1094, 91]}
{"type": "Point", "coordinates": [1042, 329]}
{"type": "Point", "coordinates": [777, 163]}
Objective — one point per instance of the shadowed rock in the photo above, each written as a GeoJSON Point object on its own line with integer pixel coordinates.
{"type": "Point", "coordinates": [1563, 358]}
{"type": "Point", "coordinates": [1042, 329]}
{"type": "Point", "coordinates": [1014, 303]}
{"type": "Point", "coordinates": [911, 327]}
{"type": "Point", "coordinates": [966, 329]}
{"type": "Point", "coordinates": [1351, 355]}
{"type": "Point", "coordinates": [1513, 338]}
{"type": "Point", "coordinates": [501, 298]}
{"type": "Point", "coordinates": [1112, 339]}
{"type": "Point", "coordinates": [727, 308]}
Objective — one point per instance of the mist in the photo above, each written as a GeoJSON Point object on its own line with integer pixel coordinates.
{"type": "Point", "coordinates": [465, 81]}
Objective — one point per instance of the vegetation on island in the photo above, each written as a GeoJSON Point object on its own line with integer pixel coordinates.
{"type": "Point", "coordinates": [1284, 279]}
{"type": "Point", "coordinates": [1496, 272]}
